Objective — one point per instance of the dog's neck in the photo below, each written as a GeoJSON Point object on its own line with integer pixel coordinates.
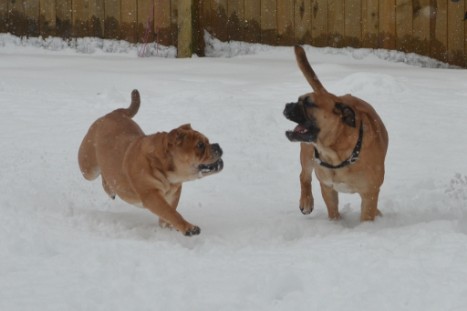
{"type": "Point", "coordinates": [350, 160]}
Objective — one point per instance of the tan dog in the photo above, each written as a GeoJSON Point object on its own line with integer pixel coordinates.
{"type": "Point", "coordinates": [147, 170]}
{"type": "Point", "coordinates": [343, 139]}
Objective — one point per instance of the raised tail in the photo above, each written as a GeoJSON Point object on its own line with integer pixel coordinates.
{"type": "Point", "coordinates": [307, 71]}
{"type": "Point", "coordinates": [135, 103]}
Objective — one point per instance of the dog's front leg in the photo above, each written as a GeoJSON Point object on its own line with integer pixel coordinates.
{"type": "Point", "coordinates": [155, 202]}
{"type": "Point", "coordinates": [331, 199]}
{"type": "Point", "coordinates": [306, 160]}
{"type": "Point", "coordinates": [369, 206]}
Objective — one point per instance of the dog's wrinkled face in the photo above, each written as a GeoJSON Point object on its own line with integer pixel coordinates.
{"type": "Point", "coordinates": [193, 156]}
{"type": "Point", "coordinates": [317, 116]}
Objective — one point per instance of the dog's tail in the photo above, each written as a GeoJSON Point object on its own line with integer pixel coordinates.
{"type": "Point", "coordinates": [135, 103]}
{"type": "Point", "coordinates": [307, 71]}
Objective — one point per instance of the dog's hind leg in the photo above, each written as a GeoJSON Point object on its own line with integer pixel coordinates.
{"type": "Point", "coordinates": [87, 158]}
{"type": "Point", "coordinates": [306, 196]}
{"type": "Point", "coordinates": [369, 206]}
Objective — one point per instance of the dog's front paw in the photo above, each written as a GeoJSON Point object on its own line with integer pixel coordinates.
{"type": "Point", "coordinates": [195, 230]}
{"type": "Point", "coordinates": [306, 205]}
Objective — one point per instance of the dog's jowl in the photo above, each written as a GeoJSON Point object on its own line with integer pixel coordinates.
{"type": "Point", "coordinates": [343, 140]}
{"type": "Point", "coordinates": [147, 170]}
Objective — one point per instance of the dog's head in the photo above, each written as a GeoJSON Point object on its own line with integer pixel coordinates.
{"type": "Point", "coordinates": [192, 155]}
{"type": "Point", "coordinates": [319, 114]}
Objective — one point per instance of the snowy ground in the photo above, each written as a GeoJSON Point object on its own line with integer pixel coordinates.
{"type": "Point", "coordinates": [65, 246]}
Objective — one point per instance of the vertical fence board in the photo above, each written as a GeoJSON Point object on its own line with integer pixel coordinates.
{"type": "Point", "coordinates": [252, 32]}
{"type": "Point", "coordinates": [47, 18]}
{"type": "Point", "coordinates": [404, 14]}
{"type": "Point", "coordinates": [370, 23]}
{"type": "Point", "coordinates": [439, 41]}
{"type": "Point", "coordinates": [205, 20]}
{"type": "Point", "coordinates": [353, 26]}
{"type": "Point", "coordinates": [64, 20]}
{"type": "Point", "coordinates": [219, 18]}
{"type": "Point", "coordinates": [145, 21]}
{"type": "Point", "coordinates": [285, 22]}
{"type": "Point", "coordinates": [302, 21]}
{"type": "Point", "coordinates": [162, 22]}
{"type": "Point", "coordinates": [128, 20]}
{"type": "Point", "coordinates": [17, 23]}
{"type": "Point", "coordinates": [319, 22]}
{"type": "Point", "coordinates": [80, 13]}
{"type": "Point", "coordinates": [3, 16]}
{"type": "Point", "coordinates": [185, 29]}
{"type": "Point", "coordinates": [96, 18]}
{"type": "Point", "coordinates": [235, 19]}
{"type": "Point", "coordinates": [268, 21]}
{"type": "Point", "coordinates": [456, 33]}
{"type": "Point", "coordinates": [31, 12]}
{"type": "Point", "coordinates": [465, 34]}
{"type": "Point", "coordinates": [387, 24]}
{"type": "Point", "coordinates": [421, 27]}
{"type": "Point", "coordinates": [336, 22]}
{"type": "Point", "coordinates": [112, 19]}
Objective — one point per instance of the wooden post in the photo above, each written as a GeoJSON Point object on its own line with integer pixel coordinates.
{"type": "Point", "coordinates": [185, 28]}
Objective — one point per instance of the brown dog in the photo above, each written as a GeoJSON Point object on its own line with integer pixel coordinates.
{"type": "Point", "coordinates": [343, 139]}
{"type": "Point", "coordinates": [147, 170]}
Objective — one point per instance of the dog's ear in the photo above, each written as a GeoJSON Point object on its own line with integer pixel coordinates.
{"type": "Point", "coordinates": [176, 136]}
{"type": "Point", "coordinates": [347, 114]}
{"type": "Point", "coordinates": [186, 127]}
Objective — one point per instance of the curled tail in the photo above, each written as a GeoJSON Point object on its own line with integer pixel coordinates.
{"type": "Point", "coordinates": [135, 103]}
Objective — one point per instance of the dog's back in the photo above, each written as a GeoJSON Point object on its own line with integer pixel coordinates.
{"type": "Point", "coordinates": [110, 133]}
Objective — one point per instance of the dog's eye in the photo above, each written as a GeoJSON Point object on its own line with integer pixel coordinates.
{"type": "Point", "coordinates": [308, 103]}
{"type": "Point", "coordinates": [201, 146]}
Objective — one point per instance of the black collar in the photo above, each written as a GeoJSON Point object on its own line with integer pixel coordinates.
{"type": "Point", "coordinates": [353, 157]}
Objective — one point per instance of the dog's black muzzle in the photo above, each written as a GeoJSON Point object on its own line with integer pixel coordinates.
{"type": "Point", "coordinates": [294, 112]}
{"type": "Point", "coordinates": [306, 131]}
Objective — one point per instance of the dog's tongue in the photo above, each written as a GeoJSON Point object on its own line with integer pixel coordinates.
{"type": "Point", "coordinates": [300, 129]}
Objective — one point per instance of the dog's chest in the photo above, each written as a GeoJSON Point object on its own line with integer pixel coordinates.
{"type": "Point", "coordinates": [335, 181]}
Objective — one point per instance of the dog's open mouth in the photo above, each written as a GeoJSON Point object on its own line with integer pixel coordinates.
{"type": "Point", "coordinates": [302, 133]}
{"type": "Point", "coordinates": [207, 169]}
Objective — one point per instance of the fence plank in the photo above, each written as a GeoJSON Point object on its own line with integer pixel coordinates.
{"type": "Point", "coordinates": [219, 17]}
{"type": "Point", "coordinates": [64, 20]}
{"type": "Point", "coordinates": [80, 13]}
{"type": "Point", "coordinates": [252, 32]}
{"type": "Point", "coordinates": [145, 21]}
{"type": "Point", "coordinates": [336, 22]}
{"type": "Point", "coordinates": [162, 22]}
{"type": "Point", "coordinates": [302, 21]}
{"type": "Point", "coordinates": [404, 15]}
{"type": "Point", "coordinates": [205, 20]}
{"type": "Point", "coordinates": [353, 27]}
{"type": "Point", "coordinates": [439, 41]}
{"type": "Point", "coordinates": [285, 22]}
{"type": "Point", "coordinates": [370, 23]}
{"type": "Point", "coordinates": [3, 16]}
{"type": "Point", "coordinates": [96, 18]}
{"type": "Point", "coordinates": [185, 29]}
{"type": "Point", "coordinates": [319, 22]}
{"type": "Point", "coordinates": [112, 18]}
{"type": "Point", "coordinates": [31, 12]}
{"type": "Point", "coordinates": [128, 20]}
{"type": "Point", "coordinates": [421, 27]}
{"type": "Point", "coordinates": [235, 19]}
{"type": "Point", "coordinates": [47, 18]}
{"type": "Point", "coordinates": [387, 24]}
{"type": "Point", "coordinates": [456, 33]}
{"type": "Point", "coordinates": [465, 34]}
{"type": "Point", "coordinates": [268, 21]}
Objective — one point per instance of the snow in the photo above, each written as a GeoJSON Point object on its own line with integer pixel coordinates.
{"type": "Point", "coordinates": [65, 246]}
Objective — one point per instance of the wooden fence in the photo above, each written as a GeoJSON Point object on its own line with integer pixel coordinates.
{"type": "Point", "coordinates": [435, 28]}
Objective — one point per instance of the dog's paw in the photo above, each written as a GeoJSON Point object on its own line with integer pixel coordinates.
{"type": "Point", "coordinates": [306, 204]}
{"type": "Point", "coordinates": [195, 230]}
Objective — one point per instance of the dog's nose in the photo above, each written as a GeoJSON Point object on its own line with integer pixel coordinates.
{"type": "Point", "coordinates": [289, 109]}
{"type": "Point", "coordinates": [216, 149]}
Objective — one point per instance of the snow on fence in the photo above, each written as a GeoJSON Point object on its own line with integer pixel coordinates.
{"type": "Point", "coordinates": [435, 28]}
